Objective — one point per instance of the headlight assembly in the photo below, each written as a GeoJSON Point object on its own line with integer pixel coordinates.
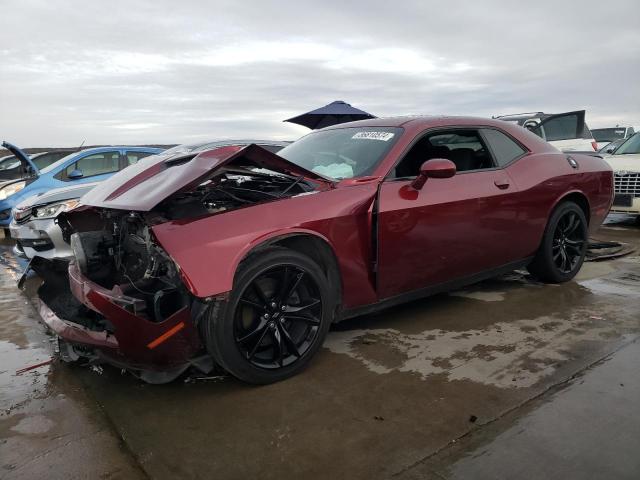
{"type": "Point", "coordinates": [54, 209]}
{"type": "Point", "coordinates": [10, 189]}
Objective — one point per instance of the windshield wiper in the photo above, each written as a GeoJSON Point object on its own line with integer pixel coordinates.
{"type": "Point", "coordinates": [293, 184]}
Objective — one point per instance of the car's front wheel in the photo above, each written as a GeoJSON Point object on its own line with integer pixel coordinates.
{"type": "Point", "coordinates": [563, 247]}
{"type": "Point", "coordinates": [275, 319]}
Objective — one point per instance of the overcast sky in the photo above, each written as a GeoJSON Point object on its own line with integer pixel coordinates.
{"type": "Point", "coordinates": [179, 71]}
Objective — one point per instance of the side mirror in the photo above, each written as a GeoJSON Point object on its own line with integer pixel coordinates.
{"type": "Point", "coordinates": [75, 174]}
{"type": "Point", "coordinates": [434, 168]}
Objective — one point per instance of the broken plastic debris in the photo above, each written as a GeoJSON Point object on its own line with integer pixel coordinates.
{"type": "Point", "coordinates": [33, 367]}
{"type": "Point", "coordinates": [212, 378]}
{"type": "Point", "coordinates": [97, 368]}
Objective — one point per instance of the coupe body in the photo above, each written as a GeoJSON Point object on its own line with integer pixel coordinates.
{"type": "Point", "coordinates": [243, 258]}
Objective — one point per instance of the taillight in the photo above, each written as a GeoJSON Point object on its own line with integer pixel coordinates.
{"type": "Point", "coordinates": [594, 144]}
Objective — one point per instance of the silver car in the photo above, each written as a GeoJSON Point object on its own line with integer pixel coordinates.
{"type": "Point", "coordinates": [34, 227]}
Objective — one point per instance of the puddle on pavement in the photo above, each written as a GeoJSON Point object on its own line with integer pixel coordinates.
{"type": "Point", "coordinates": [518, 351]}
{"type": "Point", "coordinates": [23, 341]}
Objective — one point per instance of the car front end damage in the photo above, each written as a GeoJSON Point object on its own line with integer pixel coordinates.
{"type": "Point", "coordinates": [122, 299]}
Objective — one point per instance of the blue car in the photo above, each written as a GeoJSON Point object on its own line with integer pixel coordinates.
{"type": "Point", "coordinates": [90, 165]}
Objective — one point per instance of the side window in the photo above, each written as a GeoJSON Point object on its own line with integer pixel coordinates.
{"type": "Point", "coordinates": [133, 157]}
{"type": "Point", "coordinates": [561, 128]}
{"type": "Point", "coordinates": [96, 164]}
{"type": "Point", "coordinates": [47, 159]}
{"type": "Point", "coordinates": [465, 148]}
{"type": "Point", "coordinates": [504, 149]}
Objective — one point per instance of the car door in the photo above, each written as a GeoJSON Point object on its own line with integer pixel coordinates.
{"type": "Point", "coordinates": [93, 167]}
{"type": "Point", "coordinates": [450, 229]}
{"type": "Point", "coordinates": [564, 131]}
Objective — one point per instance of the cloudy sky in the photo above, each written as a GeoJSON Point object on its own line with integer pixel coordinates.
{"type": "Point", "coordinates": [173, 72]}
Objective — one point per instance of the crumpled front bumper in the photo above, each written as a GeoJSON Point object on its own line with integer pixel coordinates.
{"type": "Point", "coordinates": [73, 332]}
{"type": "Point", "coordinates": [132, 341]}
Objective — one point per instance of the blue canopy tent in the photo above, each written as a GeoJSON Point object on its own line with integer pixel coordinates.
{"type": "Point", "coordinates": [331, 114]}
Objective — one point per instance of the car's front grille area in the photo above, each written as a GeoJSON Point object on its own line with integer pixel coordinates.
{"type": "Point", "coordinates": [628, 183]}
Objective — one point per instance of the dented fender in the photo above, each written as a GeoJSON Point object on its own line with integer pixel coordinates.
{"type": "Point", "coordinates": [208, 250]}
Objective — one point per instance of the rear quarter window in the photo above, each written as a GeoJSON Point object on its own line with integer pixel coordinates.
{"type": "Point", "coordinates": [504, 149]}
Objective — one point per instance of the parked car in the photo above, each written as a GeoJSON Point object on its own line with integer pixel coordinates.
{"type": "Point", "coordinates": [20, 165]}
{"type": "Point", "coordinates": [612, 146]}
{"type": "Point", "coordinates": [625, 162]}
{"type": "Point", "coordinates": [33, 224]}
{"type": "Point", "coordinates": [34, 220]}
{"type": "Point", "coordinates": [246, 257]}
{"type": "Point", "coordinates": [271, 145]}
{"type": "Point", "coordinates": [90, 165]}
{"type": "Point", "coordinates": [568, 131]}
{"type": "Point", "coordinates": [605, 136]}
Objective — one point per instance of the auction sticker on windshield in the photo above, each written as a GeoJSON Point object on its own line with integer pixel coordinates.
{"type": "Point", "coordinates": [383, 136]}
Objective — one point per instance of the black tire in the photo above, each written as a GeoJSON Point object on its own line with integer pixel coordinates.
{"type": "Point", "coordinates": [564, 245]}
{"type": "Point", "coordinates": [259, 336]}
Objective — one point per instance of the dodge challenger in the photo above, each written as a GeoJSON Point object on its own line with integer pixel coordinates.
{"type": "Point", "coordinates": [241, 258]}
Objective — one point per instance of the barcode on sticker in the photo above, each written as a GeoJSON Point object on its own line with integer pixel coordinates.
{"type": "Point", "coordinates": [384, 136]}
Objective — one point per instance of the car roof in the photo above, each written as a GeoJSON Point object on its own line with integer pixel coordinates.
{"type": "Point", "coordinates": [421, 121]}
{"type": "Point", "coordinates": [235, 142]}
{"type": "Point", "coordinates": [54, 167]}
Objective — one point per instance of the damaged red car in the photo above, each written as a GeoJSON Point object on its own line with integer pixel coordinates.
{"type": "Point", "coordinates": [242, 258]}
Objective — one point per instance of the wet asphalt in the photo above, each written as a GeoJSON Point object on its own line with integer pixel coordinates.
{"type": "Point", "coordinates": [505, 379]}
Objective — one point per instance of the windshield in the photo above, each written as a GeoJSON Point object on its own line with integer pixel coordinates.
{"type": "Point", "coordinates": [7, 163]}
{"type": "Point", "coordinates": [632, 145]}
{"type": "Point", "coordinates": [344, 152]}
{"type": "Point", "coordinates": [608, 134]}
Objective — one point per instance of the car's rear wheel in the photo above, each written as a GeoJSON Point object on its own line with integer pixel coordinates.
{"type": "Point", "coordinates": [563, 247]}
{"type": "Point", "coordinates": [275, 319]}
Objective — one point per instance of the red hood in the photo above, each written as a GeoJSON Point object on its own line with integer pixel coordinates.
{"type": "Point", "coordinates": [142, 186]}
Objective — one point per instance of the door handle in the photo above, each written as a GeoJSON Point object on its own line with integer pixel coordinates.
{"type": "Point", "coordinates": [502, 183]}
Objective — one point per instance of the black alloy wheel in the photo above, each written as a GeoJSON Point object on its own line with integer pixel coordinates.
{"type": "Point", "coordinates": [275, 319]}
{"type": "Point", "coordinates": [568, 242]}
{"type": "Point", "coordinates": [564, 245]}
{"type": "Point", "coordinates": [278, 317]}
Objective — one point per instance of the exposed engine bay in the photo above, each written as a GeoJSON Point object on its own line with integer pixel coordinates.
{"type": "Point", "coordinates": [114, 248]}
{"type": "Point", "coordinates": [232, 189]}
